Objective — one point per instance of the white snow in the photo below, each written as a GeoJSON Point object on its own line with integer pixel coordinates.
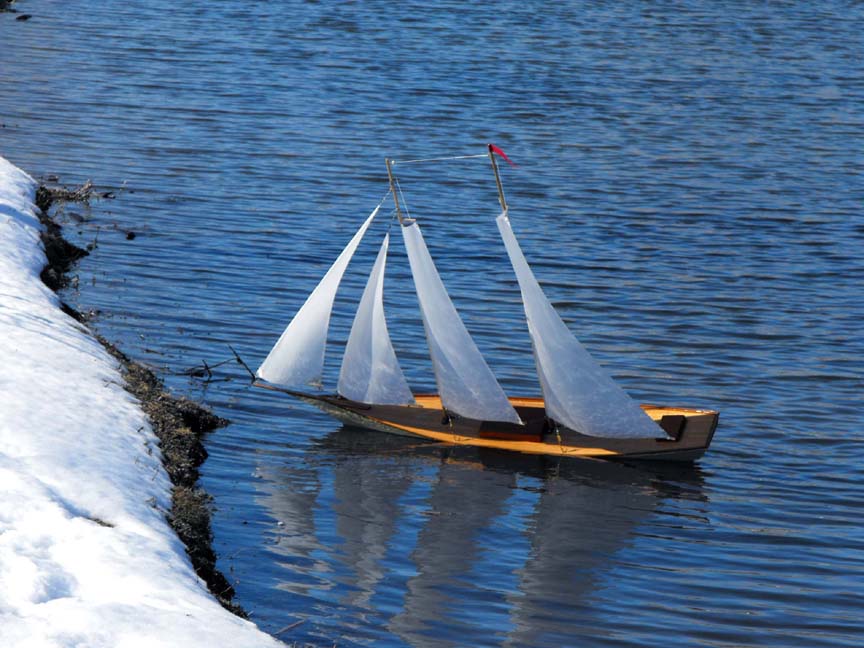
{"type": "Point", "coordinates": [76, 450]}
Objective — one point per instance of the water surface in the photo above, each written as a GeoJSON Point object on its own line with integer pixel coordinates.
{"type": "Point", "coordinates": [689, 193]}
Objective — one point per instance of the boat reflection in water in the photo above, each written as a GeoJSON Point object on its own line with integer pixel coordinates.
{"type": "Point", "coordinates": [435, 544]}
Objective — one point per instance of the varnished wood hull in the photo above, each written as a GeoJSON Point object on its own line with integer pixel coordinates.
{"type": "Point", "coordinates": [693, 429]}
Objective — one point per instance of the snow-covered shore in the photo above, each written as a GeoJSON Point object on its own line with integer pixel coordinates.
{"type": "Point", "coordinates": [87, 557]}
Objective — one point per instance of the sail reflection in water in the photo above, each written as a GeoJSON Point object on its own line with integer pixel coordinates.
{"type": "Point", "coordinates": [575, 530]}
{"type": "Point", "coordinates": [416, 542]}
{"type": "Point", "coordinates": [465, 501]}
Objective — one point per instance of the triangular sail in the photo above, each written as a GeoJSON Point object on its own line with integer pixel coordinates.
{"type": "Point", "coordinates": [370, 372]}
{"type": "Point", "coordinates": [578, 392]}
{"type": "Point", "coordinates": [465, 382]}
{"type": "Point", "coordinates": [298, 356]}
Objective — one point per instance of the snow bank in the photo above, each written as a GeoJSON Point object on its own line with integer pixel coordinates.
{"type": "Point", "coordinates": [86, 556]}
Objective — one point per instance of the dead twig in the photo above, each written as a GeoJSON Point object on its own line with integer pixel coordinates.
{"type": "Point", "coordinates": [240, 360]}
{"type": "Point", "coordinates": [205, 369]}
{"type": "Point", "coordinates": [290, 626]}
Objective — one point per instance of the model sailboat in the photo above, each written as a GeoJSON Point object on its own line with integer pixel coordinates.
{"type": "Point", "coordinates": [583, 412]}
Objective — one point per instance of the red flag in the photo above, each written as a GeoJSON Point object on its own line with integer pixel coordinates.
{"type": "Point", "coordinates": [497, 150]}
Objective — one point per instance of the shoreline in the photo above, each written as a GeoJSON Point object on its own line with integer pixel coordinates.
{"type": "Point", "coordinates": [179, 423]}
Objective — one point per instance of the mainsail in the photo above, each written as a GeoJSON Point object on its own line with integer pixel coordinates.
{"type": "Point", "coordinates": [465, 382]}
{"type": "Point", "coordinates": [370, 372]}
{"type": "Point", "coordinates": [298, 356]}
{"type": "Point", "coordinates": [577, 391]}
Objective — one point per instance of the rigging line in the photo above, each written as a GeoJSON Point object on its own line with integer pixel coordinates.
{"type": "Point", "coordinates": [438, 159]}
{"type": "Point", "coordinates": [393, 217]}
{"type": "Point", "coordinates": [381, 202]}
{"type": "Point", "coordinates": [402, 196]}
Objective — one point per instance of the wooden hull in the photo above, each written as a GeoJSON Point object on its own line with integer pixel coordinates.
{"type": "Point", "coordinates": [692, 429]}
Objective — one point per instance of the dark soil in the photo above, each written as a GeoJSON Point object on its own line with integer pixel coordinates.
{"type": "Point", "coordinates": [179, 423]}
{"type": "Point", "coordinates": [60, 252]}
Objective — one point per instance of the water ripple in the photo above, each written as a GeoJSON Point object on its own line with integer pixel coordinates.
{"type": "Point", "coordinates": [689, 193]}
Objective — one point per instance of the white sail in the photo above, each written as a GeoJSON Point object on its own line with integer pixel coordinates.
{"type": "Point", "coordinates": [578, 392]}
{"type": "Point", "coordinates": [370, 372]}
{"type": "Point", "coordinates": [465, 382]}
{"type": "Point", "coordinates": [298, 356]}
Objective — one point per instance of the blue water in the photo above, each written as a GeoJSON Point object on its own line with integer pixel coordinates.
{"type": "Point", "coordinates": [689, 190]}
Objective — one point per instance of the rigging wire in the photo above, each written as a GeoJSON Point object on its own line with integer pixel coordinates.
{"type": "Point", "coordinates": [402, 196]}
{"type": "Point", "coordinates": [393, 218]}
{"type": "Point", "coordinates": [439, 159]}
{"type": "Point", "coordinates": [392, 211]}
{"type": "Point", "coordinates": [381, 202]}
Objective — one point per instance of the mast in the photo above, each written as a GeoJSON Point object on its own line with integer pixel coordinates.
{"type": "Point", "coordinates": [388, 162]}
{"type": "Point", "coordinates": [577, 391]}
{"type": "Point", "coordinates": [497, 179]}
